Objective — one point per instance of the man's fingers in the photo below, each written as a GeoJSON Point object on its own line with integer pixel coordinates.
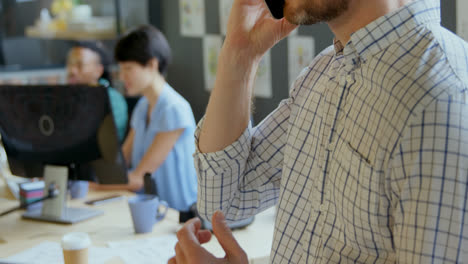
{"type": "Point", "coordinates": [187, 234]}
{"type": "Point", "coordinates": [204, 236]}
{"type": "Point", "coordinates": [224, 235]}
{"type": "Point", "coordinates": [172, 261]}
{"type": "Point", "coordinates": [188, 237]}
{"type": "Point", "coordinates": [188, 241]}
{"type": "Point", "coordinates": [180, 256]}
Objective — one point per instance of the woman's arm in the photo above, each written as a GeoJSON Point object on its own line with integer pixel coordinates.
{"type": "Point", "coordinates": [128, 146]}
{"type": "Point", "coordinates": [162, 144]}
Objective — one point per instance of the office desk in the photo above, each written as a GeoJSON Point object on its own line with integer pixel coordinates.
{"type": "Point", "coordinates": [17, 234]}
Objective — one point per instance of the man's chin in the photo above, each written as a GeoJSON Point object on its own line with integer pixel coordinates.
{"type": "Point", "coordinates": [307, 15]}
{"type": "Point", "coordinates": [73, 81]}
{"type": "Point", "coordinates": [300, 17]}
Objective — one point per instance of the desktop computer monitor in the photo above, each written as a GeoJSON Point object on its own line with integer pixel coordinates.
{"type": "Point", "coordinates": [70, 126]}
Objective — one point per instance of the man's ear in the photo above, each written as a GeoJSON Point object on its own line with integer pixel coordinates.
{"type": "Point", "coordinates": [154, 64]}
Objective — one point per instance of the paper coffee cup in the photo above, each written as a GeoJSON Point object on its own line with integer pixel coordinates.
{"type": "Point", "coordinates": [75, 248]}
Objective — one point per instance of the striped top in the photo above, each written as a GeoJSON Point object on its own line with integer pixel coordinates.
{"type": "Point", "coordinates": [367, 161]}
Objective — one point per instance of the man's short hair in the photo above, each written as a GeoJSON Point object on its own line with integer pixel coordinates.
{"type": "Point", "coordinates": [142, 45]}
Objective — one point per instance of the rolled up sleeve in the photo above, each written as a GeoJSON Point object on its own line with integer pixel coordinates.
{"type": "Point", "coordinates": [244, 178]}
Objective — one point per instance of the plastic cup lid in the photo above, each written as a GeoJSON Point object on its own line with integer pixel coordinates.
{"type": "Point", "coordinates": [75, 241]}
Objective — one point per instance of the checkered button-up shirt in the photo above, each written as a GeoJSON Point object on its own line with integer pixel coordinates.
{"type": "Point", "coordinates": [367, 160]}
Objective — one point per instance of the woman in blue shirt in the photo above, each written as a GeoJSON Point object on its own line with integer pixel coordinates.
{"type": "Point", "coordinates": [160, 140]}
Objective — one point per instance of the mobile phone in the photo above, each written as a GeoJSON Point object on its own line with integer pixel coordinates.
{"type": "Point", "coordinates": [276, 8]}
{"type": "Point", "coordinates": [104, 199]}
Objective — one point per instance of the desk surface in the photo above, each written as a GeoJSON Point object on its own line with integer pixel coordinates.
{"type": "Point", "coordinates": [17, 234]}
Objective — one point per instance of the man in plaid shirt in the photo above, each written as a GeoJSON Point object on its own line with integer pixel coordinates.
{"type": "Point", "coordinates": [367, 160]}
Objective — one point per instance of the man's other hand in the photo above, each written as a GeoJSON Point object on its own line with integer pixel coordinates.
{"type": "Point", "coordinates": [189, 249]}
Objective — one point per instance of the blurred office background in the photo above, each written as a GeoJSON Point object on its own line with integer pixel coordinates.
{"type": "Point", "coordinates": [28, 53]}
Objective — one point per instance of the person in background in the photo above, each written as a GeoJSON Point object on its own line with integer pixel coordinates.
{"type": "Point", "coordinates": [88, 63]}
{"type": "Point", "coordinates": [160, 140]}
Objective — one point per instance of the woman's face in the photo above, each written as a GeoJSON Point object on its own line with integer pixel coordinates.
{"type": "Point", "coordinates": [136, 77]}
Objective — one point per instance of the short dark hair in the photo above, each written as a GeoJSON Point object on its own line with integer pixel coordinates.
{"type": "Point", "coordinates": [142, 45]}
{"type": "Point", "coordinates": [99, 48]}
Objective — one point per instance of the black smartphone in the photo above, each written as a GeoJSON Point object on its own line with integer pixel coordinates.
{"type": "Point", "coordinates": [276, 8]}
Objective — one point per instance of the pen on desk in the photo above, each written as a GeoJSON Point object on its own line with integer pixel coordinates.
{"type": "Point", "coordinates": [105, 200]}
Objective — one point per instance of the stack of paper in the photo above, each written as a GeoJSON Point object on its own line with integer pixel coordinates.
{"type": "Point", "coordinates": [149, 250]}
{"type": "Point", "coordinates": [51, 252]}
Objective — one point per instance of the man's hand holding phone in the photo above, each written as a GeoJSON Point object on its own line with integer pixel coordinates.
{"type": "Point", "coordinates": [252, 29]}
{"type": "Point", "coordinates": [251, 32]}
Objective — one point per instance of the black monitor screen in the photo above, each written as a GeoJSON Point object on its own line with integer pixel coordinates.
{"type": "Point", "coordinates": [70, 125]}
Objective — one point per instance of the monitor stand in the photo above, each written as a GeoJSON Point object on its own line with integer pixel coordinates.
{"type": "Point", "coordinates": [55, 210]}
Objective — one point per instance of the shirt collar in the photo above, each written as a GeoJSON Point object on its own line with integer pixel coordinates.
{"type": "Point", "coordinates": [338, 46]}
{"type": "Point", "coordinates": [380, 34]}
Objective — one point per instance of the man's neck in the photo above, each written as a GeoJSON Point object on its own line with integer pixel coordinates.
{"type": "Point", "coordinates": [361, 13]}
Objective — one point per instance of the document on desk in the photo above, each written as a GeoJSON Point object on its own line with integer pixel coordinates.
{"type": "Point", "coordinates": [51, 252]}
{"type": "Point", "coordinates": [149, 250]}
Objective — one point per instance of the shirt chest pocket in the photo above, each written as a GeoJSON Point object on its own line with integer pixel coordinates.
{"type": "Point", "coordinates": [354, 187]}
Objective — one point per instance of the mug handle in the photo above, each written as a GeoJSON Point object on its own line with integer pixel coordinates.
{"type": "Point", "coordinates": [160, 216]}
